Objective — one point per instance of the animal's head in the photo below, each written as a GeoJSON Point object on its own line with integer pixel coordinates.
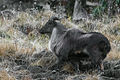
{"type": "Point", "coordinates": [48, 27]}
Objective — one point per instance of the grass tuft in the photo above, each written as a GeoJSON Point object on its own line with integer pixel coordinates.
{"type": "Point", "coordinates": [5, 76]}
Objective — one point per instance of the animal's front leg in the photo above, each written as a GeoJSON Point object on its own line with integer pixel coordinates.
{"type": "Point", "coordinates": [58, 64]}
{"type": "Point", "coordinates": [62, 56]}
{"type": "Point", "coordinates": [95, 56]}
{"type": "Point", "coordinates": [97, 64]}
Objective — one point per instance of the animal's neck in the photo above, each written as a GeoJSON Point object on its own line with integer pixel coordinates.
{"type": "Point", "coordinates": [54, 38]}
{"type": "Point", "coordinates": [56, 33]}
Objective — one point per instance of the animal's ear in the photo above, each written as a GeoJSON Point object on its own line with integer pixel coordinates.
{"type": "Point", "coordinates": [53, 18]}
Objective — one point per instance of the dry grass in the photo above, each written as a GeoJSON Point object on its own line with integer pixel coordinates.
{"type": "Point", "coordinates": [6, 48]}
{"type": "Point", "coordinates": [19, 43]}
{"type": "Point", "coordinates": [5, 76]}
{"type": "Point", "coordinates": [89, 77]}
{"type": "Point", "coordinates": [38, 19]}
{"type": "Point", "coordinates": [27, 78]}
{"type": "Point", "coordinates": [11, 49]}
{"type": "Point", "coordinates": [68, 68]}
{"type": "Point", "coordinates": [113, 55]}
{"type": "Point", "coordinates": [115, 46]}
{"type": "Point", "coordinates": [29, 44]}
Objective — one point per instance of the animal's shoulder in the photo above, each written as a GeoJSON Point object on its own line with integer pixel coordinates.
{"type": "Point", "coordinates": [75, 30]}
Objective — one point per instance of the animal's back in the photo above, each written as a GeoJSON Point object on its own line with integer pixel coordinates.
{"type": "Point", "coordinates": [96, 38]}
{"type": "Point", "coordinates": [75, 39]}
{"type": "Point", "coordinates": [66, 44]}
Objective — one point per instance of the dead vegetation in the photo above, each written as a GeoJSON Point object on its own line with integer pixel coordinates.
{"type": "Point", "coordinates": [20, 43]}
{"type": "Point", "coordinates": [5, 76]}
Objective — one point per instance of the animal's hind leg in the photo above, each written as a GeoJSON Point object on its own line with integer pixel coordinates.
{"type": "Point", "coordinates": [95, 56]}
{"type": "Point", "coordinates": [62, 56]}
{"type": "Point", "coordinates": [75, 62]}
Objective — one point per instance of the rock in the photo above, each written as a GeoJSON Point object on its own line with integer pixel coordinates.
{"type": "Point", "coordinates": [22, 59]}
{"type": "Point", "coordinates": [111, 73]}
{"type": "Point", "coordinates": [77, 77]}
{"type": "Point", "coordinates": [106, 78]}
{"type": "Point", "coordinates": [27, 77]}
{"type": "Point", "coordinates": [22, 56]}
{"type": "Point", "coordinates": [115, 31]}
{"type": "Point", "coordinates": [4, 35]}
{"type": "Point", "coordinates": [56, 76]}
{"type": "Point", "coordinates": [8, 14]}
{"type": "Point", "coordinates": [22, 67]}
{"type": "Point", "coordinates": [117, 67]}
{"type": "Point", "coordinates": [109, 64]}
{"type": "Point", "coordinates": [79, 11]}
{"type": "Point", "coordinates": [37, 56]}
{"type": "Point", "coordinates": [21, 62]}
{"type": "Point", "coordinates": [35, 69]}
{"type": "Point", "coordinates": [48, 75]}
{"type": "Point", "coordinates": [111, 70]}
{"type": "Point", "coordinates": [36, 76]}
{"type": "Point", "coordinates": [118, 62]}
{"type": "Point", "coordinates": [19, 75]}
